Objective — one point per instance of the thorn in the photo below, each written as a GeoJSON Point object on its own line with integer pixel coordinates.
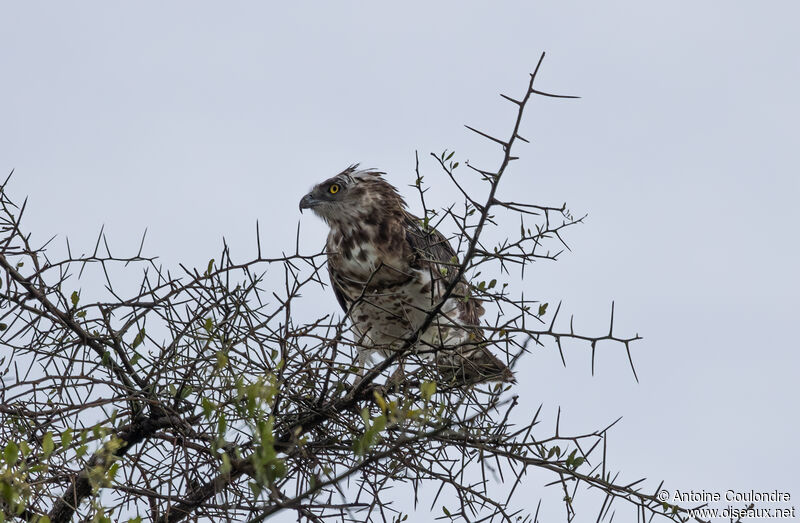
{"type": "Point", "coordinates": [542, 93]}
{"type": "Point", "coordinates": [558, 420]}
{"type": "Point", "coordinates": [611, 327]}
{"type": "Point", "coordinates": [630, 359]}
{"type": "Point", "coordinates": [492, 138]}
{"type": "Point", "coordinates": [258, 238]}
{"type": "Point", "coordinates": [511, 99]}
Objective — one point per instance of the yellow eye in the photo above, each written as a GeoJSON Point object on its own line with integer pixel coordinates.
{"type": "Point", "coordinates": [333, 189]}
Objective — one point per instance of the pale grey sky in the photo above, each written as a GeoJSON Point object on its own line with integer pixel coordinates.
{"type": "Point", "coordinates": [195, 119]}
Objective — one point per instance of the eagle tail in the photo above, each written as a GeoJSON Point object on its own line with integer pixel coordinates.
{"type": "Point", "coordinates": [473, 365]}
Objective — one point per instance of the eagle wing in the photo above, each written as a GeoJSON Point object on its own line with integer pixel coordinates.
{"type": "Point", "coordinates": [337, 291]}
{"type": "Point", "coordinates": [428, 250]}
{"type": "Point", "coordinates": [472, 362]}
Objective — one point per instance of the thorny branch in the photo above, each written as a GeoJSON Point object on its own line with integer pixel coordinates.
{"type": "Point", "coordinates": [207, 394]}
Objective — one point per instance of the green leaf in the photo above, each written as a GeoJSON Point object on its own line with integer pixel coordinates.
{"type": "Point", "coordinates": [186, 391]}
{"type": "Point", "coordinates": [222, 424]}
{"type": "Point", "coordinates": [81, 314]}
{"type": "Point", "coordinates": [47, 444]}
{"type": "Point", "coordinates": [75, 298]}
{"type": "Point", "coordinates": [222, 359]}
{"type": "Point", "coordinates": [571, 457]}
{"type": "Point", "coordinates": [446, 512]}
{"type": "Point", "coordinates": [210, 267]}
{"type": "Point", "coordinates": [492, 283]}
{"type": "Point", "coordinates": [11, 453]}
{"type": "Point", "coordinates": [255, 488]}
{"type": "Point", "coordinates": [226, 464]}
{"type": "Point", "coordinates": [66, 438]}
{"type": "Point", "coordinates": [379, 400]}
{"type": "Point", "coordinates": [138, 339]}
{"type": "Point", "coordinates": [208, 407]}
{"type": "Point", "coordinates": [208, 325]}
{"type": "Point", "coordinates": [542, 309]}
{"type": "Point", "coordinates": [3, 326]}
{"type": "Point", "coordinates": [427, 389]}
{"type": "Point", "coordinates": [450, 156]}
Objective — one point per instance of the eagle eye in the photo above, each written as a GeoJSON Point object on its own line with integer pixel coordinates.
{"type": "Point", "coordinates": [334, 188]}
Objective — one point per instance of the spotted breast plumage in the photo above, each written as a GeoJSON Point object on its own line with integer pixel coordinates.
{"type": "Point", "coordinates": [388, 270]}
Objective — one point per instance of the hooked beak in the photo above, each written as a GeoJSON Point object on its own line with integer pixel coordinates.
{"type": "Point", "coordinates": [307, 202]}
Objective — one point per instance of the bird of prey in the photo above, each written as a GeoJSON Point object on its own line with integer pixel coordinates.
{"type": "Point", "coordinates": [388, 270]}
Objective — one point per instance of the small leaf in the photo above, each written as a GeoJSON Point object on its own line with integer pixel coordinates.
{"type": "Point", "coordinates": [11, 453]}
{"type": "Point", "coordinates": [226, 464]}
{"type": "Point", "coordinates": [81, 314]}
{"type": "Point", "coordinates": [66, 438]}
{"type": "Point", "coordinates": [75, 298]}
{"type": "Point", "coordinates": [208, 407]}
{"type": "Point", "coordinates": [492, 283]}
{"type": "Point", "coordinates": [379, 400]}
{"type": "Point", "coordinates": [210, 267]}
{"type": "Point", "coordinates": [138, 339]}
{"type": "Point", "coordinates": [427, 390]}
{"type": "Point", "coordinates": [255, 488]}
{"type": "Point", "coordinates": [3, 326]}
{"type": "Point", "coordinates": [186, 392]}
{"type": "Point", "coordinates": [47, 444]}
{"type": "Point", "coordinates": [446, 512]}
{"type": "Point", "coordinates": [542, 309]}
{"type": "Point", "coordinates": [222, 425]}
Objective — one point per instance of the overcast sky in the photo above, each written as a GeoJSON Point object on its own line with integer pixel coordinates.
{"type": "Point", "coordinates": [195, 119]}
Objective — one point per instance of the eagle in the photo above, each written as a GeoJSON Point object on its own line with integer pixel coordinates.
{"type": "Point", "coordinates": [389, 269]}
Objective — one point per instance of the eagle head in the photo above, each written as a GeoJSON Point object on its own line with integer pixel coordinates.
{"type": "Point", "coordinates": [351, 195]}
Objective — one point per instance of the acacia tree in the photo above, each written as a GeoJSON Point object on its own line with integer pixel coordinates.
{"type": "Point", "coordinates": [200, 395]}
